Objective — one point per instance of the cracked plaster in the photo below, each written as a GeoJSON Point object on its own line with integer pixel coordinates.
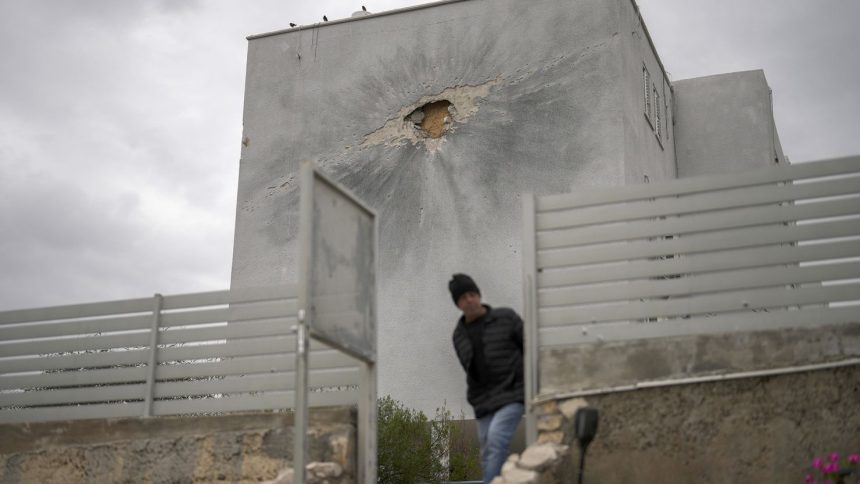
{"type": "Point", "coordinates": [399, 130]}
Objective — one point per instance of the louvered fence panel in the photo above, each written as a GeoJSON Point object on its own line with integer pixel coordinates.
{"type": "Point", "coordinates": [698, 263]}
{"type": "Point", "coordinates": [748, 237]}
{"type": "Point", "coordinates": [775, 248]}
{"type": "Point", "coordinates": [214, 351]}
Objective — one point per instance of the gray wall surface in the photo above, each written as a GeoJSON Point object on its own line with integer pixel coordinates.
{"type": "Point", "coordinates": [724, 123]}
{"type": "Point", "coordinates": [249, 447]}
{"type": "Point", "coordinates": [645, 154]}
{"type": "Point", "coordinates": [623, 364]}
{"type": "Point", "coordinates": [546, 96]}
{"type": "Point", "coordinates": [750, 430]}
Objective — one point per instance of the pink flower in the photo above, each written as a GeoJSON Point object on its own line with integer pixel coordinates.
{"type": "Point", "coordinates": [854, 458]}
{"type": "Point", "coordinates": [816, 463]}
{"type": "Point", "coordinates": [832, 467]}
{"type": "Point", "coordinates": [808, 478]}
{"type": "Point", "coordinates": [834, 457]}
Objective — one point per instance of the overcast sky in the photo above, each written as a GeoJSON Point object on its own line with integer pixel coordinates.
{"type": "Point", "coordinates": [120, 123]}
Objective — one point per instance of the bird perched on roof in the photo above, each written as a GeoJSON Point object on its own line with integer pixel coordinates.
{"type": "Point", "coordinates": [292, 24]}
{"type": "Point", "coordinates": [325, 19]}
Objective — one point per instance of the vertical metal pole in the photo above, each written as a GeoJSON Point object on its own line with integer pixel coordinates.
{"type": "Point", "coordinates": [305, 319]}
{"type": "Point", "coordinates": [367, 389]}
{"type": "Point", "coordinates": [300, 426]}
{"type": "Point", "coordinates": [530, 333]}
{"type": "Point", "coordinates": [367, 423]}
{"type": "Point", "coordinates": [152, 364]}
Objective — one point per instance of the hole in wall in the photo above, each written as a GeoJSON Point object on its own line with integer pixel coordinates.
{"type": "Point", "coordinates": [432, 119]}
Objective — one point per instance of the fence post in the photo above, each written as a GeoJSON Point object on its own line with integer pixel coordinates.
{"type": "Point", "coordinates": [305, 320]}
{"type": "Point", "coordinates": [153, 355]}
{"type": "Point", "coordinates": [530, 333]}
{"type": "Point", "coordinates": [367, 415]}
{"type": "Point", "coordinates": [300, 411]}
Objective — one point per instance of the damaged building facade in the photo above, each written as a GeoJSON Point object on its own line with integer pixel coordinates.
{"type": "Point", "coordinates": [440, 117]}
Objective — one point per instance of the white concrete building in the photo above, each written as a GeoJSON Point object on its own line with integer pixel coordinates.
{"type": "Point", "coordinates": [440, 117]}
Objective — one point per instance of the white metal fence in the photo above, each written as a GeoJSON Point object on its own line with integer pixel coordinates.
{"type": "Point", "coordinates": [209, 352]}
{"type": "Point", "coordinates": [765, 249]}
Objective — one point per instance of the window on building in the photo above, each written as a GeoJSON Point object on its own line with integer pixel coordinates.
{"type": "Point", "coordinates": [667, 105]}
{"type": "Point", "coordinates": [646, 80]}
{"type": "Point", "coordinates": [658, 128]}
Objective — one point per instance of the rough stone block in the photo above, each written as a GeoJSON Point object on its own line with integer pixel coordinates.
{"type": "Point", "coordinates": [519, 476]}
{"type": "Point", "coordinates": [547, 408]}
{"type": "Point", "coordinates": [537, 457]}
{"type": "Point", "coordinates": [569, 407]}
{"type": "Point", "coordinates": [325, 469]}
{"type": "Point", "coordinates": [508, 466]}
{"type": "Point", "coordinates": [284, 477]}
{"type": "Point", "coordinates": [549, 422]}
{"type": "Point", "coordinates": [317, 473]}
{"type": "Point", "coordinates": [550, 437]}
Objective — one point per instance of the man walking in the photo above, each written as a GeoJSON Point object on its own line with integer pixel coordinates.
{"type": "Point", "coordinates": [489, 344]}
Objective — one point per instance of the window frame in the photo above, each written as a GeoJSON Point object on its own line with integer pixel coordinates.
{"type": "Point", "coordinates": [646, 82]}
{"type": "Point", "coordinates": [658, 128]}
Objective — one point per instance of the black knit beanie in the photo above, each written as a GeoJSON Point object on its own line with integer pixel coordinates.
{"type": "Point", "coordinates": [461, 284]}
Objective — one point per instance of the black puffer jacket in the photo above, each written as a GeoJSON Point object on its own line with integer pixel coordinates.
{"type": "Point", "coordinates": [503, 354]}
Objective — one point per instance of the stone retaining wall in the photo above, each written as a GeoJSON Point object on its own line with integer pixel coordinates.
{"type": "Point", "coordinates": [765, 429]}
{"type": "Point", "coordinates": [234, 448]}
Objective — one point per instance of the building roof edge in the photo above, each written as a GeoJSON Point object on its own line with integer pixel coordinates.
{"type": "Point", "coordinates": [355, 19]}
{"type": "Point", "coordinates": [651, 43]}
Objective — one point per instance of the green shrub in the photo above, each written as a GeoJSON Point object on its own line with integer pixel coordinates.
{"type": "Point", "coordinates": [411, 449]}
{"type": "Point", "coordinates": [464, 459]}
{"type": "Point", "coordinates": [407, 451]}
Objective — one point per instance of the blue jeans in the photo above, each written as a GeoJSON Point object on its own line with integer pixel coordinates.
{"type": "Point", "coordinates": [494, 433]}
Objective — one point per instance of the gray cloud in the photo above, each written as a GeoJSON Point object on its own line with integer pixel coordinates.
{"type": "Point", "coordinates": [808, 51]}
{"type": "Point", "coordinates": [120, 123]}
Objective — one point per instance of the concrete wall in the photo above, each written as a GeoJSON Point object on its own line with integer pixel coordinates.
{"type": "Point", "coordinates": [750, 430]}
{"type": "Point", "coordinates": [618, 364]}
{"type": "Point", "coordinates": [645, 153]}
{"type": "Point", "coordinates": [725, 122]}
{"type": "Point", "coordinates": [248, 448]}
{"type": "Point", "coordinates": [540, 92]}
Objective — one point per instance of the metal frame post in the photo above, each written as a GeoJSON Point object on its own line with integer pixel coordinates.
{"type": "Point", "coordinates": [152, 364]}
{"type": "Point", "coordinates": [367, 416]}
{"type": "Point", "coordinates": [530, 333]}
{"type": "Point", "coordinates": [300, 409]}
{"type": "Point", "coordinates": [367, 389]}
{"type": "Point", "coordinates": [300, 425]}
